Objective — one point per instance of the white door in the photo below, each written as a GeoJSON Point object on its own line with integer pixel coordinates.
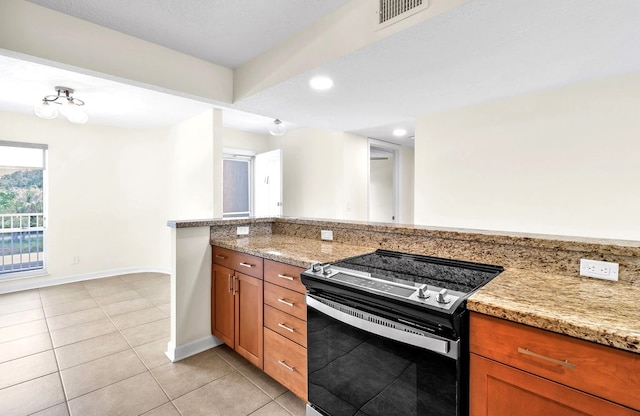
{"type": "Point", "coordinates": [268, 184]}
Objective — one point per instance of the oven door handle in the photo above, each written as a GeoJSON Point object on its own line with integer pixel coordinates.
{"type": "Point", "coordinates": [430, 342]}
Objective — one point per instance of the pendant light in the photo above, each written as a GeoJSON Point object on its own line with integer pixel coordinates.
{"type": "Point", "coordinates": [277, 128]}
{"type": "Point", "coordinates": [69, 106]}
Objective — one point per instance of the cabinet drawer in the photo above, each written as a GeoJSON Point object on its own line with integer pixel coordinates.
{"type": "Point", "coordinates": [244, 263]}
{"type": "Point", "coordinates": [285, 300]}
{"type": "Point", "coordinates": [602, 371]}
{"type": "Point", "coordinates": [286, 325]}
{"type": "Point", "coordinates": [499, 390]}
{"type": "Point", "coordinates": [286, 361]}
{"type": "Point", "coordinates": [283, 275]}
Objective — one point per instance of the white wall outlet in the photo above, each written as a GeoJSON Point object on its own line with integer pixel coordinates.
{"type": "Point", "coordinates": [326, 235]}
{"type": "Point", "coordinates": [75, 260]}
{"type": "Point", "coordinates": [242, 230]}
{"type": "Point", "coordinates": [599, 269]}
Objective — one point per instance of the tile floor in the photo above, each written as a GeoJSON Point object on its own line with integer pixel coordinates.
{"type": "Point", "coordinates": [97, 348]}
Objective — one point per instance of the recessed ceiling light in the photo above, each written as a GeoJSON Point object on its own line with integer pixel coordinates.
{"type": "Point", "coordinates": [399, 132]}
{"type": "Point", "coordinates": [321, 83]}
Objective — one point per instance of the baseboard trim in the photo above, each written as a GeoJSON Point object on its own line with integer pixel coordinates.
{"type": "Point", "coordinates": [192, 348]}
{"type": "Point", "coordinates": [8, 286]}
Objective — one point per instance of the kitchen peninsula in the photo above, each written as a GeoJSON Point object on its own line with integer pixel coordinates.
{"type": "Point", "coordinates": [540, 286]}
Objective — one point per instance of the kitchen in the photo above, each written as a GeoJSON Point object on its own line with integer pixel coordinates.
{"type": "Point", "coordinates": [502, 187]}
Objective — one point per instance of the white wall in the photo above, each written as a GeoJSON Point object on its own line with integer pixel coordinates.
{"type": "Point", "coordinates": [564, 162]}
{"type": "Point", "coordinates": [112, 190]}
{"type": "Point", "coordinates": [324, 174]}
{"type": "Point", "coordinates": [106, 195]}
{"type": "Point", "coordinates": [406, 185]}
{"type": "Point", "coordinates": [237, 139]}
{"type": "Point", "coordinates": [190, 170]}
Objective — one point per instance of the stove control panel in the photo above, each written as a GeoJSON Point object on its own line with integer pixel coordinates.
{"type": "Point", "coordinates": [421, 293]}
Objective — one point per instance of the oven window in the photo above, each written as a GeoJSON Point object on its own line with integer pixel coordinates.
{"type": "Point", "coordinates": [352, 372]}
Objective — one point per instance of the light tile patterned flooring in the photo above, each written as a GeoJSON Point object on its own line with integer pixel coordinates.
{"type": "Point", "coordinates": [97, 348]}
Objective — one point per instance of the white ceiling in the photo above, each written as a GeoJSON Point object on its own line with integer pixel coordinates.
{"type": "Point", "coordinates": [482, 50]}
{"type": "Point", "coordinates": [226, 32]}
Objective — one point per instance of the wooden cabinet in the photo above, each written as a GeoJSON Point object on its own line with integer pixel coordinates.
{"type": "Point", "coordinates": [285, 322]}
{"type": "Point", "coordinates": [237, 303]}
{"type": "Point", "coordinates": [516, 369]}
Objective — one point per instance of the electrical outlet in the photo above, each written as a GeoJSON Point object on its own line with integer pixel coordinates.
{"type": "Point", "coordinates": [326, 235]}
{"type": "Point", "coordinates": [75, 260]}
{"type": "Point", "coordinates": [599, 269]}
{"type": "Point", "coordinates": [242, 231]}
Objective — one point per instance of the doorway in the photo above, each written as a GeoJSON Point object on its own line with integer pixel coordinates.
{"type": "Point", "coordinates": [383, 181]}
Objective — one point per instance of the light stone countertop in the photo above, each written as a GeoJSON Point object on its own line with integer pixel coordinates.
{"type": "Point", "coordinates": [301, 252]}
{"type": "Point", "coordinates": [595, 310]}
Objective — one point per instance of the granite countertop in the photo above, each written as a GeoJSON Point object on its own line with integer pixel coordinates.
{"type": "Point", "coordinates": [595, 310]}
{"type": "Point", "coordinates": [301, 252]}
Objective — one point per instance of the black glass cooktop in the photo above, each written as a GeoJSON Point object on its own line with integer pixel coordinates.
{"type": "Point", "coordinates": [416, 270]}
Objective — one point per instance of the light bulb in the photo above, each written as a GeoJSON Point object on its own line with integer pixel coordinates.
{"type": "Point", "coordinates": [399, 132]}
{"type": "Point", "coordinates": [321, 83]}
{"type": "Point", "coordinates": [45, 110]}
{"type": "Point", "coordinates": [78, 116]}
{"type": "Point", "coordinates": [68, 108]}
{"type": "Point", "coordinates": [277, 128]}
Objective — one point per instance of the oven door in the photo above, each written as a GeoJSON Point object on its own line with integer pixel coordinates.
{"type": "Point", "coordinates": [361, 365]}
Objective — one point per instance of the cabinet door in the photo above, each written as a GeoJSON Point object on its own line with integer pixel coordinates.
{"type": "Point", "coordinates": [249, 318]}
{"type": "Point", "coordinates": [222, 307]}
{"type": "Point", "coordinates": [499, 390]}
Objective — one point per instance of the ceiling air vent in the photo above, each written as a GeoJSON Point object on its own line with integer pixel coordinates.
{"type": "Point", "coordinates": [392, 11]}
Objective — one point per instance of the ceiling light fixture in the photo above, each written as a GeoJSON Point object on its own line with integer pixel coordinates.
{"type": "Point", "coordinates": [70, 106]}
{"type": "Point", "coordinates": [277, 128]}
{"type": "Point", "coordinates": [321, 83]}
{"type": "Point", "coordinates": [399, 132]}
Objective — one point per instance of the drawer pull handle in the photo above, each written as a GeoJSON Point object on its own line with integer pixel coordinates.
{"type": "Point", "coordinates": [286, 302]}
{"type": "Point", "coordinates": [246, 265]}
{"type": "Point", "coordinates": [283, 326]}
{"type": "Point", "coordinates": [218, 256]}
{"type": "Point", "coordinates": [288, 367]}
{"type": "Point", "coordinates": [284, 276]}
{"type": "Point", "coordinates": [564, 363]}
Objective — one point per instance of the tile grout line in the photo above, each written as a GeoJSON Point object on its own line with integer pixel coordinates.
{"type": "Point", "coordinates": [55, 356]}
{"type": "Point", "coordinates": [125, 339]}
{"type": "Point", "coordinates": [132, 348]}
{"type": "Point", "coordinates": [259, 388]}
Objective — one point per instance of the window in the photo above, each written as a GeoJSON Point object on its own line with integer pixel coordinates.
{"type": "Point", "coordinates": [236, 187]}
{"type": "Point", "coordinates": [22, 200]}
{"type": "Point", "coordinates": [251, 183]}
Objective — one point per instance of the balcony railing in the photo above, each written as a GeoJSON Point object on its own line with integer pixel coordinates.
{"type": "Point", "coordinates": [21, 242]}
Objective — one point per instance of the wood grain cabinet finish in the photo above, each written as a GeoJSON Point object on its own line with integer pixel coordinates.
{"type": "Point", "coordinates": [285, 332]}
{"type": "Point", "coordinates": [286, 362]}
{"type": "Point", "coordinates": [284, 275]}
{"type": "Point", "coordinates": [517, 369]}
{"type": "Point", "coordinates": [286, 300]}
{"type": "Point", "coordinates": [237, 304]}
{"type": "Point", "coordinates": [234, 260]}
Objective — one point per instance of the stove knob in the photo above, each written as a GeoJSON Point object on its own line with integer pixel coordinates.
{"type": "Point", "coordinates": [315, 267]}
{"type": "Point", "coordinates": [422, 292]}
{"type": "Point", "coordinates": [442, 296]}
{"type": "Point", "coordinates": [326, 269]}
